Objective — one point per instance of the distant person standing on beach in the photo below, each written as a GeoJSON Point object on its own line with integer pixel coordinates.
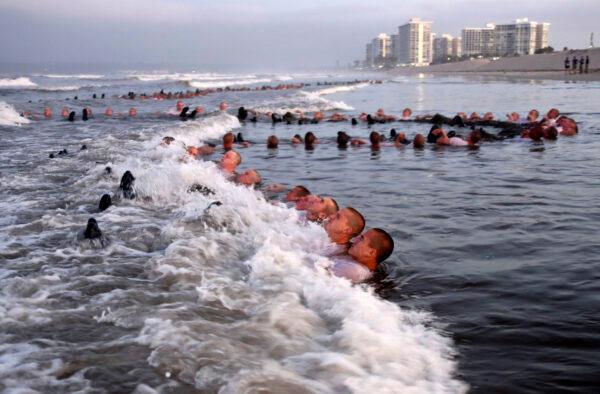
{"type": "Point", "coordinates": [574, 64]}
{"type": "Point", "coordinates": [567, 65]}
{"type": "Point", "coordinates": [581, 61]}
{"type": "Point", "coordinates": [587, 63]}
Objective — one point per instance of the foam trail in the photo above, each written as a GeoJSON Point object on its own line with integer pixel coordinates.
{"type": "Point", "coordinates": [225, 83]}
{"type": "Point", "coordinates": [21, 82]}
{"type": "Point", "coordinates": [9, 116]}
{"type": "Point", "coordinates": [340, 89]}
{"type": "Point", "coordinates": [74, 76]}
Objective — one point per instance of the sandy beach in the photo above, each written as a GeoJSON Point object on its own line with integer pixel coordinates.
{"type": "Point", "coordinates": [543, 66]}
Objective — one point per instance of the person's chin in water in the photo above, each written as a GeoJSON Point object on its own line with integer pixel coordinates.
{"type": "Point", "coordinates": [371, 248]}
{"type": "Point", "coordinates": [346, 224]}
{"type": "Point", "coordinates": [230, 160]}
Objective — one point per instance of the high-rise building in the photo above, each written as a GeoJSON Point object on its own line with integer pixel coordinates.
{"type": "Point", "coordinates": [479, 41]}
{"type": "Point", "coordinates": [369, 56]}
{"type": "Point", "coordinates": [521, 37]}
{"type": "Point", "coordinates": [442, 48]}
{"type": "Point", "coordinates": [414, 43]}
{"type": "Point", "coordinates": [456, 51]}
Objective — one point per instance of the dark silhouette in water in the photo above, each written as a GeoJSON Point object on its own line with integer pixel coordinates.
{"type": "Point", "coordinates": [240, 137]}
{"type": "Point", "coordinates": [92, 231]}
{"type": "Point", "coordinates": [354, 122]}
{"type": "Point", "coordinates": [51, 155]}
{"type": "Point", "coordinates": [393, 134]}
{"type": "Point", "coordinates": [71, 116]}
{"type": "Point", "coordinates": [105, 202]}
{"type": "Point", "coordinates": [108, 170]}
{"type": "Point", "coordinates": [84, 114]}
{"type": "Point", "coordinates": [183, 113]}
{"type": "Point", "coordinates": [126, 185]}
{"type": "Point", "coordinates": [342, 140]}
{"type": "Point", "coordinates": [84, 147]}
{"type": "Point", "coordinates": [242, 114]}
{"type": "Point", "coordinates": [192, 115]}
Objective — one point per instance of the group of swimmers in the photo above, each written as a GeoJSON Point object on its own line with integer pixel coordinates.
{"type": "Point", "coordinates": [355, 261]}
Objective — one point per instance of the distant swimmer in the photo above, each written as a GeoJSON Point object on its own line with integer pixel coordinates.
{"type": "Point", "coordinates": [272, 142]}
{"type": "Point", "coordinates": [375, 138]}
{"type": "Point", "coordinates": [567, 126]}
{"type": "Point", "coordinates": [126, 185]}
{"type": "Point", "coordinates": [310, 140]}
{"type": "Point", "coordinates": [183, 113]}
{"type": "Point", "coordinates": [419, 141]}
{"type": "Point", "coordinates": [84, 114]}
{"type": "Point", "coordinates": [401, 140]}
{"type": "Point", "coordinates": [354, 122]}
{"type": "Point", "coordinates": [223, 106]}
{"type": "Point", "coordinates": [406, 113]}
{"type": "Point", "coordinates": [71, 116]}
{"type": "Point", "coordinates": [367, 252]}
{"type": "Point", "coordinates": [108, 112]}
{"type": "Point", "coordinates": [533, 116]}
{"type": "Point", "coordinates": [105, 202]}
{"type": "Point", "coordinates": [64, 113]}
{"type": "Point", "coordinates": [342, 140]}
{"type": "Point", "coordinates": [93, 234]}
{"type": "Point", "coordinates": [228, 140]}
{"type": "Point", "coordinates": [47, 112]}
{"type": "Point", "coordinates": [132, 112]}
{"type": "Point", "coordinates": [296, 139]}
{"type": "Point", "coordinates": [242, 114]}
{"type": "Point", "coordinates": [346, 224]}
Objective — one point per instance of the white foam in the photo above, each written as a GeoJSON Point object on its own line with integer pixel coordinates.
{"type": "Point", "coordinates": [267, 312]}
{"type": "Point", "coordinates": [21, 82]}
{"type": "Point", "coordinates": [75, 76]}
{"type": "Point", "coordinates": [340, 89]}
{"type": "Point", "coordinates": [9, 116]}
{"type": "Point", "coordinates": [227, 82]}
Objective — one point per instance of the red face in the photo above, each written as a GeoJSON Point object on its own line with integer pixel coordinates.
{"type": "Point", "coordinates": [338, 228]}
{"type": "Point", "coordinates": [249, 178]}
{"type": "Point", "coordinates": [532, 115]}
{"type": "Point", "coordinates": [132, 112]}
{"type": "Point", "coordinates": [307, 202]}
{"type": "Point", "coordinates": [109, 111]}
{"type": "Point", "coordinates": [553, 113]}
{"type": "Point", "coordinates": [406, 113]}
{"type": "Point", "coordinates": [179, 106]}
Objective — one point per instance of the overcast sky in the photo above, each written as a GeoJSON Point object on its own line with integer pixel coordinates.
{"type": "Point", "coordinates": [260, 34]}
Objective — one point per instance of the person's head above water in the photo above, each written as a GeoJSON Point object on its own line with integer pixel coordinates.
{"type": "Point", "coordinates": [550, 133]}
{"type": "Point", "coordinates": [322, 209]}
{"type": "Point", "coordinates": [249, 178]}
{"type": "Point", "coordinates": [419, 141]}
{"type": "Point", "coordinates": [346, 224]}
{"type": "Point", "coordinates": [342, 139]}
{"type": "Point", "coordinates": [553, 113]}
{"type": "Point", "coordinates": [296, 193]}
{"type": "Point", "coordinates": [536, 133]}
{"type": "Point", "coordinates": [374, 137]}
{"type": "Point", "coordinates": [406, 113]}
{"type": "Point", "coordinates": [179, 106]}
{"type": "Point", "coordinates": [132, 112]}
{"type": "Point", "coordinates": [272, 142]}
{"type": "Point", "coordinates": [371, 248]}
{"type": "Point", "coordinates": [108, 112]}
{"type": "Point", "coordinates": [309, 139]}
{"type": "Point", "coordinates": [223, 106]}
{"type": "Point", "coordinates": [568, 126]}
{"type": "Point", "coordinates": [228, 140]}
{"type": "Point", "coordinates": [230, 160]}
{"type": "Point", "coordinates": [533, 115]}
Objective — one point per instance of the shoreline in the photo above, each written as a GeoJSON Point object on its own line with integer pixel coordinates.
{"type": "Point", "coordinates": [548, 66]}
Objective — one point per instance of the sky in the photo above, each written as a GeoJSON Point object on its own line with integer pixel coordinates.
{"type": "Point", "coordinates": [254, 35]}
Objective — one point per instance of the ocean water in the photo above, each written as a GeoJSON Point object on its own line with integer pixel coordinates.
{"type": "Point", "coordinates": [492, 287]}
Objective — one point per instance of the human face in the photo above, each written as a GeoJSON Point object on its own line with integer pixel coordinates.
{"type": "Point", "coordinates": [338, 228]}
{"type": "Point", "coordinates": [249, 178]}
{"type": "Point", "coordinates": [229, 161]}
{"type": "Point", "coordinates": [179, 106]}
{"type": "Point", "coordinates": [532, 116]}
{"type": "Point", "coordinates": [294, 194]}
{"type": "Point", "coordinates": [406, 113]}
{"type": "Point", "coordinates": [308, 202]}
{"type": "Point", "coordinates": [362, 251]}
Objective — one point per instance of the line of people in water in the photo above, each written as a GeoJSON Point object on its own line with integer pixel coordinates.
{"type": "Point", "coordinates": [356, 255]}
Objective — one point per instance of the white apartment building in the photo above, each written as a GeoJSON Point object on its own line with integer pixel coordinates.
{"type": "Point", "coordinates": [479, 41]}
{"type": "Point", "coordinates": [415, 44]}
{"type": "Point", "coordinates": [521, 37]}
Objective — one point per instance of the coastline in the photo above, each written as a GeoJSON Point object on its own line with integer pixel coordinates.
{"type": "Point", "coordinates": [548, 66]}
